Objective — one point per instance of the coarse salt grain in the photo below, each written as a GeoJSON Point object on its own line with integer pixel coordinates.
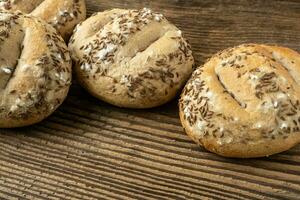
{"type": "Point", "coordinates": [103, 52]}
{"type": "Point", "coordinates": [253, 77]}
{"type": "Point", "coordinates": [86, 67]}
{"type": "Point", "coordinates": [227, 139]}
{"type": "Point", "coordinates": [179, 33]}
{"type": "Point", "coordinates": [59, 56]}
{"type": "Point", "coordinates": [201, 125]}
{"type": "Point", "coordinates": [125, 80]}
{"type": "Point", "coordinates": [7, 70]}
{"type": "Point", "coordinates": [257, 125]}
{"type": "Point", "coordinates": [187, 98]}
{"type": "Point", "coordinates": [209, 94]}
{"type": "Point", "coordinates": [13, 108]}
{"type": "Point", "coordinates": [281, 96]}
{"type": "Point", "coordinates": [88, 50]}
{"type": "Point", "coordinates": [158, 17]}
{"type": "Point", "coordinates": [283, 125]}
{"type": "Point", "coordinates": [187, 112]}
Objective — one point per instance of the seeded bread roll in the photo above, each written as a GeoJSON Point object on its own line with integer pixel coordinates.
{"type": "Point", "coordinates": [62, 14]}
{"type": "Point", "coordinates": [244, 102]}
{"type": "Point", "coordinates": [35, 70]}
{"type": "Point", "coordinates": [131, 58]}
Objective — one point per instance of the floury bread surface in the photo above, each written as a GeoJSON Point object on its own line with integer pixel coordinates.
{"type": "Point", "coordinates": [131, 58]}
{"type": "Point", "coordinates": [63, 15]}
{"type": "Point", "coordinates": [35, 70]}
{"type": "Point", "coordinates": [244, 102]}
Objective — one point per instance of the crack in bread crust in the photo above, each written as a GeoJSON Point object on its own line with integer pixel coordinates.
{"type": "Point", "coordinates": [243, 105]}
{"type": "Point", "coordinates": [14, 68]}
{"type": "Point", "coordinates": [283, 65]}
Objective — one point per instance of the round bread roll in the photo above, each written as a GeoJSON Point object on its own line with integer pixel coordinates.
{"type": "Point", "coordinates": [35, 70]}
{"type": "Point", "coordinates": [244, 102]}
{"type": "Point", "coordinates": [131, 58]}
{"type": "Point", "coordinates": [62, 14]}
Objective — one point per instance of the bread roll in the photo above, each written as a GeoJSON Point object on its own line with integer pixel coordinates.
{"type": "Point", "coordinates": [131, 58]}
{"type": "Point", "coordinates": [62, 14]}
{"type": "Point", "coordinates": [244, 102]}
{"type": "Point", "coordinates": [35, 70]}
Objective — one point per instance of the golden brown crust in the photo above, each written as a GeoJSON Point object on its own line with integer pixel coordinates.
{"type": "Point", "coordinates": [25, 6]}
{"type": "Point", "coordinates": [244, 102]}
{"type": "Point", "coordinates": [62, 14]}
{"type": "Point", "coordinates": [35, 70]}
{"type": "Point", "coordinates": [131, 58]}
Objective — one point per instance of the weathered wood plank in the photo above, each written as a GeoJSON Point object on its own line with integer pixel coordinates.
{"type": "Point", "coordinates": [91, 150]}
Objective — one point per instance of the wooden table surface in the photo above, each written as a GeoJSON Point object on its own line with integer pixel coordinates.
{"type": "Point", "coordinates": [91, 150]}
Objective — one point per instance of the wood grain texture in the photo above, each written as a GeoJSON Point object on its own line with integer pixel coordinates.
{"type": "Point", "coordinates": [91, 150]}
